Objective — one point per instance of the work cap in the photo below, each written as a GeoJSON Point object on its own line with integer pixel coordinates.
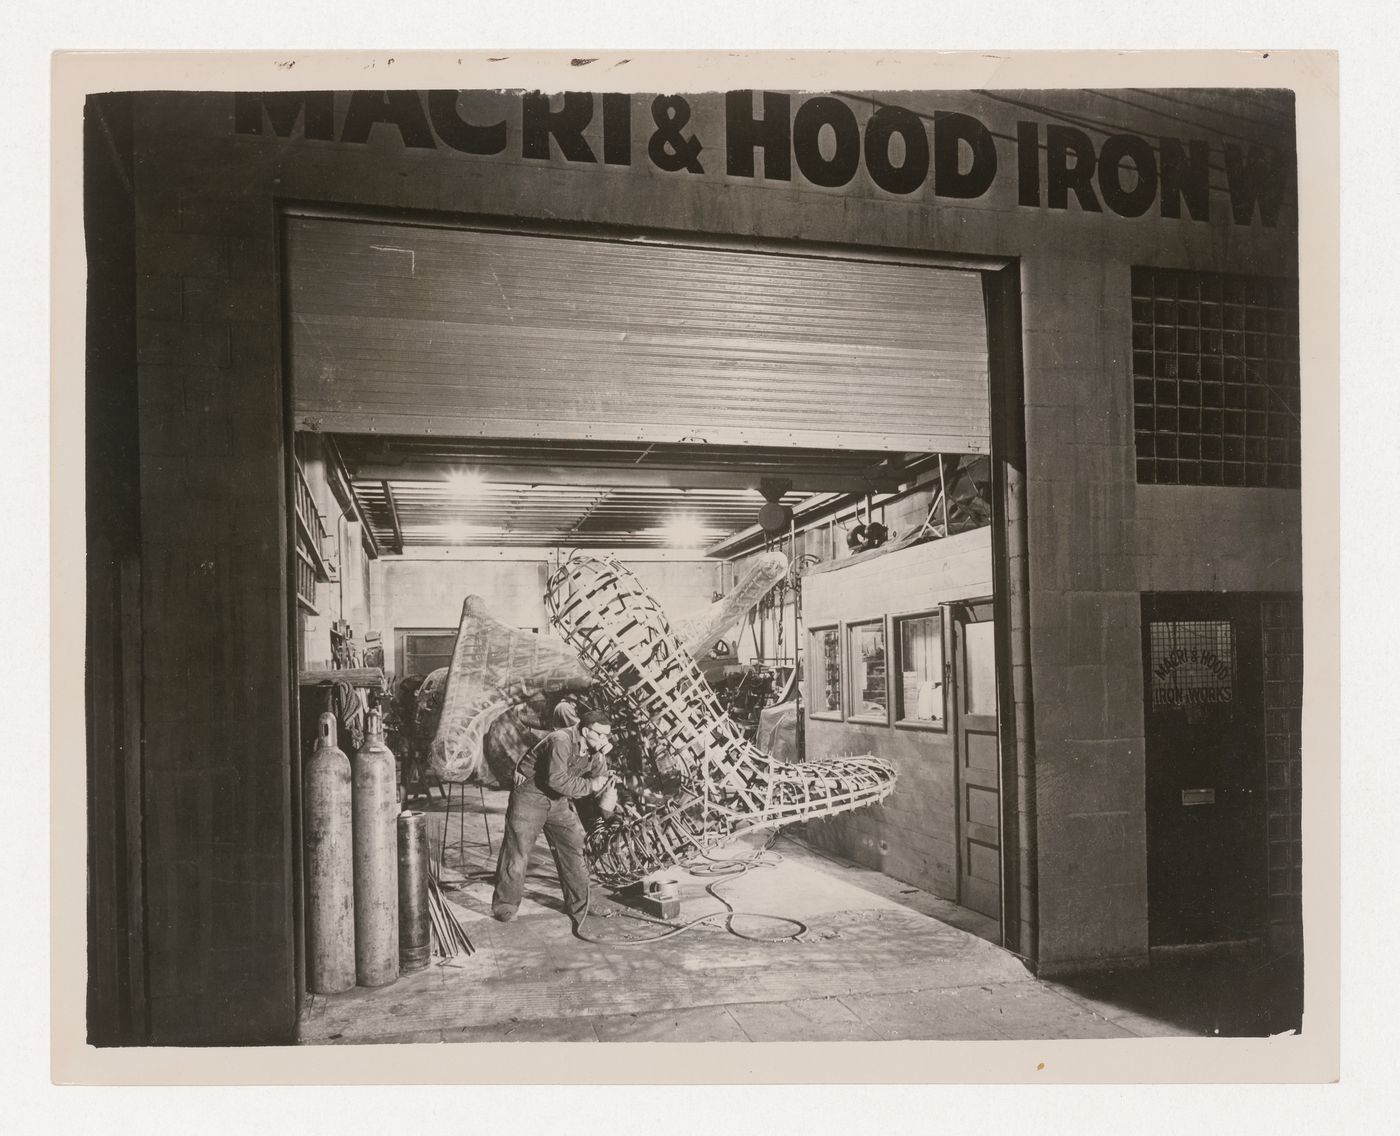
{"type": "Point", "coordinates": [595, 718]}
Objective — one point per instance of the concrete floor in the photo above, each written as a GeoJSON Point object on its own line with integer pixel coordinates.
{"type": "Point", "coordinates": [877, 961]}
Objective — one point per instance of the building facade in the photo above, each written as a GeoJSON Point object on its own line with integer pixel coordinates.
{"type": "Point", "coordinates": [1127, 265]}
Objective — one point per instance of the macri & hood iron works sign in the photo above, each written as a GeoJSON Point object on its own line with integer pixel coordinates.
{"type": "Point", "coordinates": [948, 154]}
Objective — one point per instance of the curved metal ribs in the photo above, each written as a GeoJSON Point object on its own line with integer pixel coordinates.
{"type": "Point", "coordinates": [728, 785]}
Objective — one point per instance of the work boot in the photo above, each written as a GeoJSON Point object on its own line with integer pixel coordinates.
{"type": "Point", "coordinates": [504, 914]}
{"type": "Point", "coordinates": [727, 784]}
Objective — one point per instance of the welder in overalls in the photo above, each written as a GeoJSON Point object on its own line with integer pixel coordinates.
{"type": "Point", "coordinates": [569, 763]}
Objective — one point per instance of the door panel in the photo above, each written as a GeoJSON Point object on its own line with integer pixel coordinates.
{"type": "Point", "coordinates": [1203, 678]}
{"type": "Point", "coordinates": [974, 701]}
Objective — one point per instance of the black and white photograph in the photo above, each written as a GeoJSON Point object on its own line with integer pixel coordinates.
{"type": "Point", "coordinates": [747, 563]}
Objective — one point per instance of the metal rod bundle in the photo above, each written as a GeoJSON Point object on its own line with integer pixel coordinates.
{"type": "Point", "coordinates": [728, 784]}
{"type": "Point", "coordinates": [449, 940]}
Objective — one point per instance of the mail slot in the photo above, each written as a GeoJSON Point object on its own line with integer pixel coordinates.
{"type": "Point", "coordinates": [1198, 796]}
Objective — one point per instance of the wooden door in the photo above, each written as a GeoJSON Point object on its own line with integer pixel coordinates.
{"type": "Point", "coordinates": [974, 700]}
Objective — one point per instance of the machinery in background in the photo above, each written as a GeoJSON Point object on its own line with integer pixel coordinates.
{"type": "Point", "coordinates": [745, 694]}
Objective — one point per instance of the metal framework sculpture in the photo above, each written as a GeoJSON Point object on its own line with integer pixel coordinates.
{"type": "Point", "coordinates": [494, 667]}
{"type": "Point", "coordinates": [498, 671]}
{"type": "Point", "coordinates": [726, 784]}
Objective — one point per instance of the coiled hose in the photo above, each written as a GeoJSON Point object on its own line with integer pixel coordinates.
{"type": "Point", "coordinates": [701, 865]}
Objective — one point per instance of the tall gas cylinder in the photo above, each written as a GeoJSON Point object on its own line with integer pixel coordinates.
{"type": "Point", "coordinates": [415, 946]}
{"type": "Point", "coordinates": [376, 859]}
{"type": "Point", "coordinates": [330, 876]}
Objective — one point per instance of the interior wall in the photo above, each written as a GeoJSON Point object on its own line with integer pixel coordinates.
{"type": "Point", "coordinates": [428, 593]}
{"type": "Point", "coordinates": [822, 542]}
{"type": "Point", "coordinates": [912, 834]}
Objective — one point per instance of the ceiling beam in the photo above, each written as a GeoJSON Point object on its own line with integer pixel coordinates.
{"type": "Point", "coordinates": [829, 479]}
{"type": "Point", "coordinates": [345, 493]}
{"type": "Point", "coordinates": [549, 553]}
{"type": "Point", "coordinates": [394, 517]}
{"type": "Point", "coordinates": [809, 514]}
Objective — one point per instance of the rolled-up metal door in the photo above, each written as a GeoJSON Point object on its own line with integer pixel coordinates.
{"type": "Point", "coordinates": [414, 329]}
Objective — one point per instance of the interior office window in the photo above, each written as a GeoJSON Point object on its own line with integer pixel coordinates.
{"type": "Point", "coordinates": [826, 672]}
{"type": "Point", "coordinates": [1215, 379]}
{"type": "Point", "coordinates": [869, 691]}
{"type": "Point", "coordinates": [423, 651]}
{"type": "Point", "coordinates": [919, 693]}
{"type": "Point", "coordinates": [980, 668]}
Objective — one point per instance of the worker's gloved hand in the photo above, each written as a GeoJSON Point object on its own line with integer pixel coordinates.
{"type": "Point", "coordinates": [598, 784]}
{"type": "Point", "coordinates": [607, 799]}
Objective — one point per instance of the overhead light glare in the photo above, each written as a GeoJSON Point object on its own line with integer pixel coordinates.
{"type": "Point", "coordinates": [686, 531]}
{"type": "Point", "coordinates": [464, 482]}
{"type": "Point", "coordinates": [458, 533]}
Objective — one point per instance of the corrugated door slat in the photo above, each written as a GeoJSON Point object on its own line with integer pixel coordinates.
{"type": "Point", "coordinates": [402, 329]}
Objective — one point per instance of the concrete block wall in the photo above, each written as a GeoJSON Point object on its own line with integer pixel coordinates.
{"type": "Point", "coordinates": [912, 834]}
{"type": "Point", "coordinates": [1084, 618]}
{"type": "Point", "coordinates": [1194, 538]}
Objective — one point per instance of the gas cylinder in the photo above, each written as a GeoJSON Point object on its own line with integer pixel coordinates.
{"type": "Point", "coordinates": [415, 942]}
{"type": "Point", "coordinates": [376, 859]}
{"type": "Point", "coordinates": [330, 888]}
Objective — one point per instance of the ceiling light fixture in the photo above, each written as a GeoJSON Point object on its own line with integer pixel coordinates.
{"type": "Point", "coordinates": [459, 533]}
{"type": "Point", "coordinates": [685, 531]}
{"type": "Point", "coordinates": [464, 482]}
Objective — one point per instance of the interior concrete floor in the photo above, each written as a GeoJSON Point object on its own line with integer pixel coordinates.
{"type": "Point", "coordinates": [867, 958]}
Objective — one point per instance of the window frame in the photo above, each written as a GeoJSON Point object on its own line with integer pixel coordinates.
{"type": "Point", "coordinates": [939, 613]}
{"type": "Point", "coordinates": [851, 628]}
{"type": "Point", "coordinates": [401, 638]}
{"type": "Point", "coordinates": [813, 673]}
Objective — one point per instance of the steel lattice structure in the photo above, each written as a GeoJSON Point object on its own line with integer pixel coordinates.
{"type": "Point", "coordinates": [727, 784]}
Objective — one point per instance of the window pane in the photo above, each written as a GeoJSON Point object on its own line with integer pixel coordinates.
{"type": "Point", "coordinates": [921, 669]}
{"type": "Point", "coordinates": [868, 694]}
{"type": "Point", "coordinates": [426, 652]}
{"type": "Point", "coordinates": [1192, 662]}
{"type": "Point", "coordinates": [981, 668]}
{"type": "Point", "coordinates": [826, 673]}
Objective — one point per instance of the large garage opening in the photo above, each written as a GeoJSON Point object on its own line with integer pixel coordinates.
{"type": "Point", "coordinates": [475, 407]}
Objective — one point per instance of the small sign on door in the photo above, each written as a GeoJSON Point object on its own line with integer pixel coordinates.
{"type": "Point", "coordinates": [1197, 797]}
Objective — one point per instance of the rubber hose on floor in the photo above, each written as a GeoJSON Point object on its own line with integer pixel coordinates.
{"type": "Point", "coordinates": [727, 868]}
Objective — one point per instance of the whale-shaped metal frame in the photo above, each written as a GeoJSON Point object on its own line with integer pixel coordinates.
{"type": "Point", "coordinates": [727, 784]}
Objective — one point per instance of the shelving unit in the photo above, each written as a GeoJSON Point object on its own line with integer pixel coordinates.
{"type": "Point", "coordinates": [311, 566]}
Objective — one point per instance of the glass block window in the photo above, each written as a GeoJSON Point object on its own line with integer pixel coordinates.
{"type": "Point", "coordinates": [825, 697]}
{"type": "Point", "coordinates": [1215, 379]}
{"type": "Point", "coordinates": [869, 694]}
{"type": "Point", "coordinates": [1283, 753]}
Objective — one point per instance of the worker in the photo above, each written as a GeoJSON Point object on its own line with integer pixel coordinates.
{"type": "Point", "coordinates": [569, 763]}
